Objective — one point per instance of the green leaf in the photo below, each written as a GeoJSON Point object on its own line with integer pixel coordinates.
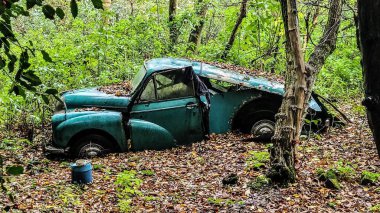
{"type": "Point", "coordinates": [24, 60]}
{"type": "Point", "coordinates": [15, 170]}
{"type": "Point", "coordinates": [74, 8]}
{"type": "Point", "coordinates": [98, 4]}
{"type": "Point", "coordinates": [6, 44]}
{"type": "Point", "coordinates": [6, 29]}
{"type": "Point", "coordinates": [51, 91]}
{"type": "Point", "coordinates": [45, 99]}
{"type": "Point", "coordinates": [48, 11]}
{"type": "Point", "coordinates": [32, 78]}
{"type": "Point", "coordinates": [2, 63]}
{"type": "Point", "coordinates": [60, 13]}
{"type": "Point", "coordinates": [57, 98]}
{"type": "Point", "coordinates": [27, 86]}
{"type": "Point", "coordinates": [32, 3]}
{"type": "Point", "coordinates": [11, 66]}
{"type": "Point", "coordinates": [18, 10]}
{"type": "Point", "coordinates": [18, 90]}
{"type": "Point", "coordinates": [46, 56]}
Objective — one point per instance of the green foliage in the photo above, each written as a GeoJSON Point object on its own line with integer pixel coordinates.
{"type": "Point", "coordinates": [127, 187]}
{"type": "Point", "coordinates": [147, 172]}
{"type": "Point", "coordinates": [369, 178]}
{"type": "Point", "coordinates": [83, 50]}
{"type": "Point", "coordinates": [70, 196]}
{"type": "Point", "coordinates": [344, 172]}
{"type": "Point", "coordinates": [14, 170]}
{"type": "Point", "coordinates": [340, 171]}
{"type": "Point", "coordinates": [331, 204]}
{"type": "Point", "coordinates": [332, 183]}
{"type": "Point", "coordinates": [259, 182]}
{"type": "Point", "coordinates": [221, 202]}
{"type": "Point", "coordinates": [150, 198]}
{"type": "Point", "coordinates": [257, 159]}
{"type": "Point", "coordinates": [375, 208]}
{"type": "Point", "coordinates": [97, 167]}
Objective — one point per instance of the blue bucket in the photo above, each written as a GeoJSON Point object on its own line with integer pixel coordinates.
{"type": "Point", "coordinates": [81, 172]}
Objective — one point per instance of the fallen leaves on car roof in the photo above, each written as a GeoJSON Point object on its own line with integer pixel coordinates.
{"type": "Point", "coordinates": [119, 89]}
{"type": "Point", "coordinates": [244, 70]}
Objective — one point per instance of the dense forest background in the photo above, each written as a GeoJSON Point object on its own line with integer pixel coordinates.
{"type": "Point", "coordinates": [101, 47]}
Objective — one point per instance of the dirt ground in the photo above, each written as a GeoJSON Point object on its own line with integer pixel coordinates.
{"type": "Point", "coordinates": [189, 178]}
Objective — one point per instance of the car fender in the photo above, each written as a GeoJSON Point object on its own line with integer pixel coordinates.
{"type": "Point", "coordinates": [105, 121]}
{"type": "Point", "coordinates": [147, 135]}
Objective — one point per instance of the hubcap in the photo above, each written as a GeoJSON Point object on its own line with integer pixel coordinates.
{"type": "Point", "coordinates": [91, 150]}
{"type": "Point", "coordinates": [263, 128]}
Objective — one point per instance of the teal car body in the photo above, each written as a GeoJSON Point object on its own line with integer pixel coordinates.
{"type": "Point", "coordinates": [163, 109]}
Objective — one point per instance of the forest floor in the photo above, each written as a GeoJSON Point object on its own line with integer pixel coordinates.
{"type": "Point", "coordinates": [189, 178]}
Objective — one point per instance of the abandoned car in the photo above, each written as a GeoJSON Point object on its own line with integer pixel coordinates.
{"type": "Point", "coordinates": [169, 102]}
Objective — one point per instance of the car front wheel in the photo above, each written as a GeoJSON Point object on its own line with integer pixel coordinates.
{"type": "Point", "coordinates": [263, 129]}
{"type": "Point", "coordinates": [91, 146]}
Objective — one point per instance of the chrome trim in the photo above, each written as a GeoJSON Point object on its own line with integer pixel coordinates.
{"type": "Point", "coordinates": [160, 109]}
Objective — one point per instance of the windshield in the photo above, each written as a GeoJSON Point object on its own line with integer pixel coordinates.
{"type": "Point", "coordinates": [138, 78]}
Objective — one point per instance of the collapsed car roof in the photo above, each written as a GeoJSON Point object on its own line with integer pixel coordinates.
{"type": "Point", "coordinates": [214, 72]}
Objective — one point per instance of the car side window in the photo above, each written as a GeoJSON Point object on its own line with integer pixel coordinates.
{"type": "Point", "coordinates": [149, 93]}
{"type": "Point", "coordinates": [173, 84]}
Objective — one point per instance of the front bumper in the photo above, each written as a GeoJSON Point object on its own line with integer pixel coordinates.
{"type": "Point", "coordinates": [49, 149]}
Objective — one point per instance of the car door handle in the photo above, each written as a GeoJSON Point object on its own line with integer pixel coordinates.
{"type": "Point", "coordinates": [191, 105]}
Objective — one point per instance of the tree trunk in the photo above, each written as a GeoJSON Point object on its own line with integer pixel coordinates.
{"type": "Point", "coordinates": [243, 14]}
{"type": "Point", "coordinates": [195, 34]}
{"type": "Point", "coordinates": [300, 79]}
{"type": "Point", "coordinates": [369, 27]}
{"type": "Point", "coordinates": [106, 7]}
{"type": "Point", "coordinates": [173, 29]}
{"type": "Point", "coordinates": [288, 120]}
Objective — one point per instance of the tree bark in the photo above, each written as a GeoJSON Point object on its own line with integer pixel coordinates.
{"type": "Point", "coordinates": [195, 35]}
{"type": "Point", "coordinates": [106, 7]}
{"type": "Point", "coordinates": [288, 120]}
{"type": "Point", "coordinates": [300, 79]}
{"type": "Point", "coordinates": [369, 33]}
{"type": "Point", "coordinates": [242, 15]}
{"type": "Point", "coordinates": [326, 45]}
{"type": "Point", "coordinates": [173, 28]}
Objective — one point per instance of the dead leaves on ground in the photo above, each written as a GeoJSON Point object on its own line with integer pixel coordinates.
{"type": "Point", "coordinates": [189, 178]}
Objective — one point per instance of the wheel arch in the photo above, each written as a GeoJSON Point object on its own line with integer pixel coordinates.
{"type": "Point", "coordinates": [260, 108]}
{"type": "Point", "coordinates": [114, 144]}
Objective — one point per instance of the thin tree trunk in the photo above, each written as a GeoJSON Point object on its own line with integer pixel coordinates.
{"type": "Point", "coordinates": [195, 35]}
{"type": "Point", "coordinates": [369, 33]}
{"type": "Point", "coordinates": [300, 79]}
{"type": "Point", "coordinates": [106, 7]}
{"type": "Point", "coordinates": [243, 14]}
{"type": "Point", "coordinates": [172, 22]}
{"type": "Point", "coordinates": [288, 122]}
{"type": "Point", "coordinates": [326, 45]}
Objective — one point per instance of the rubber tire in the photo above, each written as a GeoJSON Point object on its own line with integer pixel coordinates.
{"type": "Point", "coordinates": [269, 123]}
{"type": "Point", "coordinates": [256, 116]}
{"type": "Point", "coordinates": [95, 139]}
